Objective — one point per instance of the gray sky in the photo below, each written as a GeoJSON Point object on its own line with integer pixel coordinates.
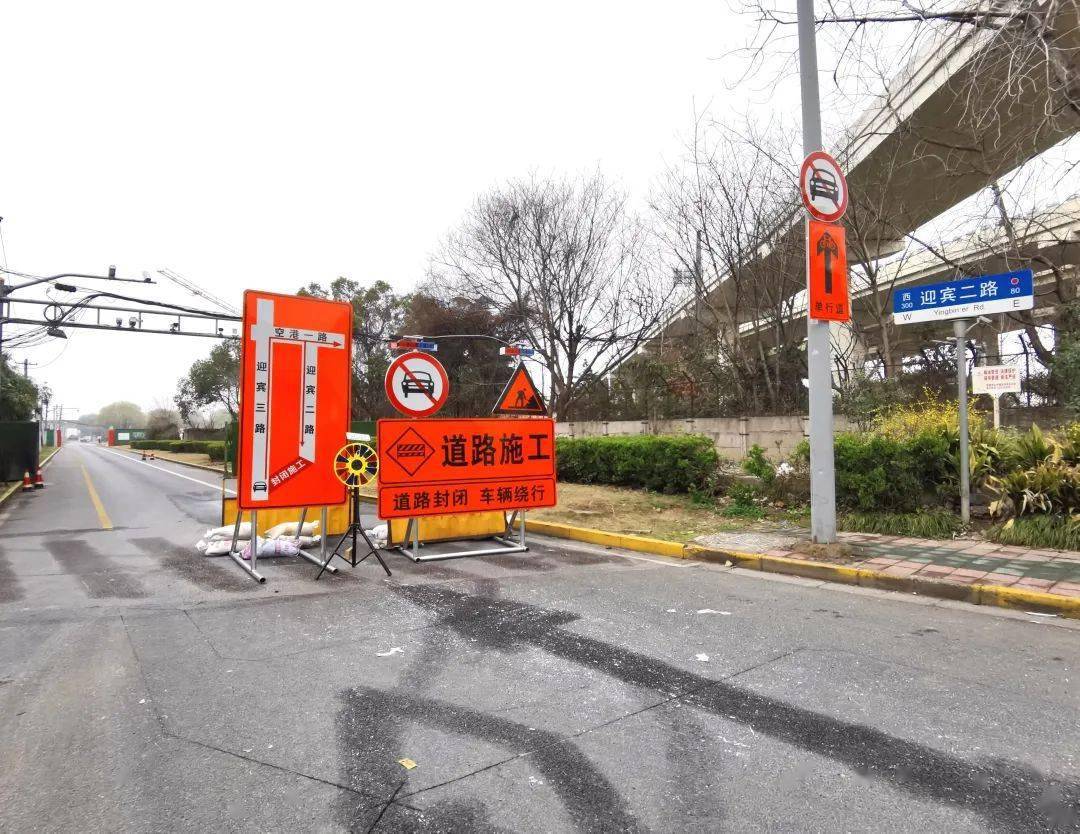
{"type": "Point", "coordinates": [266, 145]}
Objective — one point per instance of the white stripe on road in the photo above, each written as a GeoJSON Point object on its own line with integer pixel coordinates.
{"type": "Point", "coordinates": [159, 469]}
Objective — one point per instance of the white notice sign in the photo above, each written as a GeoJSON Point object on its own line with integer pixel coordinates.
{"type": "Point", "coordinates": [995, 379]}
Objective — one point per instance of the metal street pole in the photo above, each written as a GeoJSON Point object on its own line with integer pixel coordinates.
{"type": "Point", "coordinates": [960, 329]}
{"type": "Point", "coordinates": [818, 350]}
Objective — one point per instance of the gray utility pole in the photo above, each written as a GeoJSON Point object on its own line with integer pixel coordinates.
{"type": "Point", "coordinates": [960, 329]}
{"type": "Point", "coordinates": [818, 348]}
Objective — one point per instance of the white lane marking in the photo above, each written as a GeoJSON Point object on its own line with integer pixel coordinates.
{"type": "Point", "coordinates": [122, 456]}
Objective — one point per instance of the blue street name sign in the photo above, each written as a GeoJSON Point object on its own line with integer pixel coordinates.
{"type": "Point", "coordinates": [967, 298]}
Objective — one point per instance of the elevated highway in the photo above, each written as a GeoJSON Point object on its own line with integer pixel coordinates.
{"type": "Point", "coordinates": [955, 120]}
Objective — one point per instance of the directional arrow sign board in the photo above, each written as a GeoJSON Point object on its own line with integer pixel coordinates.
{"type": "Point", "coordinates": [967, 298]}
{"type": "Point", "coordinates": [520, 396]}
{"type": "Point", "coordinates": [295, 375]}
{"type": "Point", "coordinates": [826, 270]}
{"type": "Point", "coordinates": [437, 467]}
{"type": "Point", "coordinates": [416, 384]}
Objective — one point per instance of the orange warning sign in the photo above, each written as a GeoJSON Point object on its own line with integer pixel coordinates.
{"type": "Point", "coordinates": [434, 467]}
{"type": "Point", "coordinates": [295, 373]}
{"type": "Point", "coordinates": [520, 396]}
{"type": "Point", "coordinates": [826, 271]}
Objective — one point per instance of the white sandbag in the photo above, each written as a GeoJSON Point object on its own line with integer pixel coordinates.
{"type": "Point", "coordinates": [378, 534]}
{"type": "Point", "coordinates": [218, 547]}
{"type": "Point", "coordinates": [271, 547]}
{"type": "Point", "coordinates": [308, 541]}
{"type": "Point", "coordinates": [288, 528]}
{"type": "Point", "coordinates": [226, 532]}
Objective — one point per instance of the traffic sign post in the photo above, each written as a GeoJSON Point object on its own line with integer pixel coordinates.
{"type": "Point", "coordinates": [416, 384]}
{"type": "Point", "coordinates": [961, 301]}
{"type": "Point", "coordinates": [823, 204]}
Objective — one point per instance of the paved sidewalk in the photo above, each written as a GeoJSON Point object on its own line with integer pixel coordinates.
{"type": "Point", "coordinates": [960, 561]}
{"type": "Point", "coordinates": [965, 562]}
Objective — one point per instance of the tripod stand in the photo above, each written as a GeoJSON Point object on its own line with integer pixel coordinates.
{"type": "Point", "coordinates": [356, 528]}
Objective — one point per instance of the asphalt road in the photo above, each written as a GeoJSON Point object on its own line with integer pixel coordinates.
{"type": "Point", "coordinates": [144, 687]}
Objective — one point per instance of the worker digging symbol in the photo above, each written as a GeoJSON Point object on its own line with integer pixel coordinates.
{"type": "Point", "coordinates": [520, 396]}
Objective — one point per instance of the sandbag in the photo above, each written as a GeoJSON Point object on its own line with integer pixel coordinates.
{"type": "Point", "coordinates": [226, 532]}
{"type": "Point", "coordinates": [288, 528]}
{"type": "Point", "coordinates": [271, 547]}
{"type": "Point", "coordinates": [217, 547]}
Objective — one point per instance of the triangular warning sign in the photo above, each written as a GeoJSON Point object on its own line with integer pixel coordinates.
{"type": "Point", "coordinates": [520, 396]}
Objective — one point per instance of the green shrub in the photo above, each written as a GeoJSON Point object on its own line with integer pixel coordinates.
{"type": "Point", "coordinates": [928, 524]}
{"type": "Point", "coordinates": [746, 502]}
{"type": "Point", "coordinates": [214, 448]}
{"type": "Point", "coordinates": [758, 465]}
{"type": "Point", "coordinates": [884, 474]}
{"type": "Point", "coordinates": [1038, 531]}
{"type": "Point", "coordinates": [662, 463]}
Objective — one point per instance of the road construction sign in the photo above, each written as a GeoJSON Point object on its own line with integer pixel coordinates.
{"type": "Point", "coordinates": [295, 376]}
{"type": "Point", "coordinates": [416, 384]}
{"type": "Point", "coordinates": [823, 187]}
{"type": "Point", "coordinates": [520, 396]}
{"type": "Point", "coordinates": [437, 467]}
{"type": "Point", "coordinates": [826, 271]}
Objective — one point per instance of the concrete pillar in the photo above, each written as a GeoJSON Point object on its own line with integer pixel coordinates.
{"type": "Point", "coordinates": [744, 433]}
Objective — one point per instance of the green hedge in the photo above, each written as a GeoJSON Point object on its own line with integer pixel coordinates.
{"type": "Point", "coordinates": [214, 448]}
{"type": "Point", "coordinates": [663, 463]}
{"type": "Point", "coordinates": [875, 473]}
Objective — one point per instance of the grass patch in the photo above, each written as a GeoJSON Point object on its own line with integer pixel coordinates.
{"type": "Point", "coordinates": [932, 524]}
{"type": "Point", "coordinates": [1038, 531]}
{"type": "Point", "coordinates": [45, 451]}
{"type": "Point", "coordinates": [742, 510]}
{"type": "Point", "coordinates": [677, 518]}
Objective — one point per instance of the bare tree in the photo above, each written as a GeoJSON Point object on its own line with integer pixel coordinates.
{"type": "Point", "coordinates": [567, 258]}
{"type": "Point", "coordinates": [731, 198]}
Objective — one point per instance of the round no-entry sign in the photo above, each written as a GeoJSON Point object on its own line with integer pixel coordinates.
{"type": "Point", "coordinates": [416, 384]}
{"type": "Point", "coordinates": [823, 187]}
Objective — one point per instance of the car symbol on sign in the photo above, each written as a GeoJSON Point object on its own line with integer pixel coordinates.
{"type": "Point", "coordinates": [419, 382]}
{"type": "Point", "coordinates": [259, 486]}
{"type": "Point", "coordinates": [823, 184]}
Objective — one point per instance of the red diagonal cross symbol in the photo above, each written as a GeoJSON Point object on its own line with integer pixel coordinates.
{"type": "Point", "coordinates": [419, 384]}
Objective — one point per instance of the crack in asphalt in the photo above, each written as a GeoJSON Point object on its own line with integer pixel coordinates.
{"type": "Point", "coordinates": [173, 734]}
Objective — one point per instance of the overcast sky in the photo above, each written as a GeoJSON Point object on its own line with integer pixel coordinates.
{"type": "Point", "coordinates": [267, 145]}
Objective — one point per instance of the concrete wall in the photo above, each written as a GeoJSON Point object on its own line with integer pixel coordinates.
{"type": "Point", "coordinates": [733, 436]}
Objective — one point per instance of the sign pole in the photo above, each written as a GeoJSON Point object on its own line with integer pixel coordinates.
{"type": "Point", "coordinates": [818, 350]}
{"type": "Point", "coordinates": [960, 329]}
{"type": "Point", "coordinates": [997, 411]}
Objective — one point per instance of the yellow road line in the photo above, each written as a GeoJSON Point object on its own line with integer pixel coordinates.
{"type": "Point", "coordinates": [103, 517]}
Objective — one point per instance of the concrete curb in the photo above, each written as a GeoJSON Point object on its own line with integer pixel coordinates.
{"type": "Point", "coordinates": [994, 595]}
{"type": "Point", "coordinates": [641, 544]}
{"type": "Point", "coordinates": [158, 456]}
